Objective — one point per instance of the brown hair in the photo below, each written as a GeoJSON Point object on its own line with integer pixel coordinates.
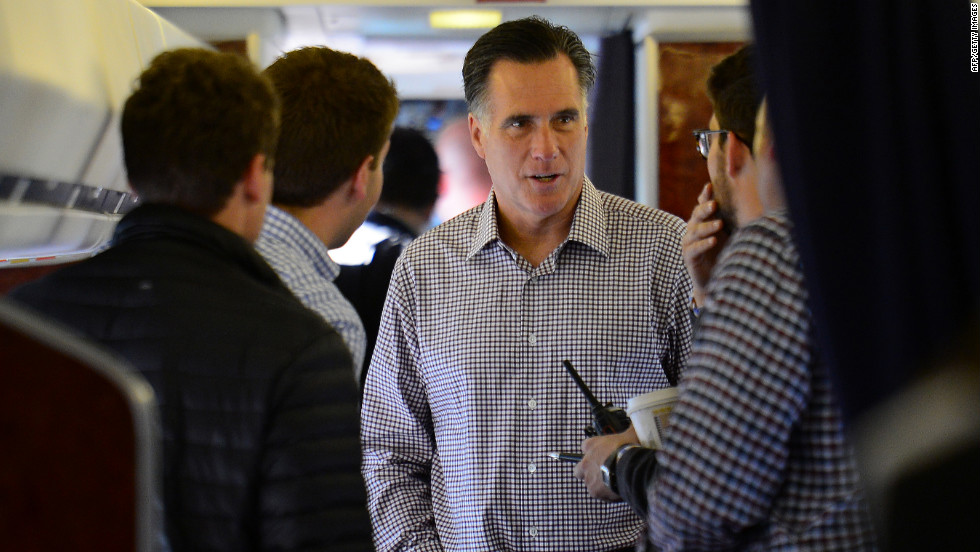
{"type": "Point", "coordinates": [337, 110]}
{"type": "Point", "coordinates": [734, 94]}
{"type": "Point", "coordinates": [192, 126]}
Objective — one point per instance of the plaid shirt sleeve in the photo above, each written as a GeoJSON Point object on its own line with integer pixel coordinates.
{"type": "Point", "coordinates": [679, 334]}
{"type": "Point", "coordinates": [743, 392]}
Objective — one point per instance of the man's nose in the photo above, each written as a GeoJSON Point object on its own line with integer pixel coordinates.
{"type": "Point", "coordinates": [544, 145]}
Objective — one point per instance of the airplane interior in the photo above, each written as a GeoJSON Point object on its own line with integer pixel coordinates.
{"type": "Point", "coordinates": [874, 105]}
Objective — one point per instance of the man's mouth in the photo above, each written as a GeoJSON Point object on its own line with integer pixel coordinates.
{"type": "Point", "coordinates": [544, 178]}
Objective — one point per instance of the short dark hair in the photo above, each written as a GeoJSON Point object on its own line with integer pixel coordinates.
{"type": "Point", "coordinates": [192, 126]}
{"type": "Point", "coordinates": [411, 170]}
{"type": "Point", "coordinates": [337, 109]}
{"type": "Point", "coordinates": [529, 40]}
{"type": "Point", "coordinates": [734, 94]}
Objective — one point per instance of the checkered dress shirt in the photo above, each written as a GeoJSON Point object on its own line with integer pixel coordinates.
{"type": "Point", "coordinates": [467, 394]}
{"type": "Point", "coordinates": [302, 262]}
{"type": "Point", "coordinates": [755, 456]}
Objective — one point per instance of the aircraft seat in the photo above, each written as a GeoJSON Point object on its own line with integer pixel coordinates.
{"type": "Point", "coordinates": [79, 443]}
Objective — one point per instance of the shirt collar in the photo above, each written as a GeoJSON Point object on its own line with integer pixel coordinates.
{"type": "Point", "coordinates": [283, 226]}
{"type": "Point", "coordinates": [160, 221]}
{"type": "Point", "coordinates": [588, 223]}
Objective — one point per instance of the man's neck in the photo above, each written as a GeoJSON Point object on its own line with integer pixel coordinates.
{"type": "Point", "coordinates": [316, 219]}
{"type": "Point", "coordinates": [534, 242]}
{"type": "Point", "coordinates": [241, 216]}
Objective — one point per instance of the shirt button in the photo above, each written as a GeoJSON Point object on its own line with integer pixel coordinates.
{"type": "Point", "coordinates": [532, 404]}
{"type": "Point", "coordinates": [531, 468]}
{"type": "Point", "coordinates": [533, 531]}
{"type": "Point", "coordinates": [532, 339]}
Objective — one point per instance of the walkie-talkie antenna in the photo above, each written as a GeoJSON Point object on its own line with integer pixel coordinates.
{"type": "Point", "coordinates": [581, 384]}
{"type": "Point", "coordinates": [606, 419]}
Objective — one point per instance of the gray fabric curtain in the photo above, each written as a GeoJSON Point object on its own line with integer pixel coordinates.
{"type": "Point", "coordinates": [877, 117]}
{"type": "Point", "coordinates": [611, 160]}
{"type": "Point", "coordinates": [876, 112]}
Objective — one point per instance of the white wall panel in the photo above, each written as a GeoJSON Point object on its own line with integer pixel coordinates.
{"type": "Point", "coordinates": [66, 68]}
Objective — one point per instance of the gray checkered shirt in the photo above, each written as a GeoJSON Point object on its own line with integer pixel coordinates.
{"type": "Point", "coordinates": [466, 393]}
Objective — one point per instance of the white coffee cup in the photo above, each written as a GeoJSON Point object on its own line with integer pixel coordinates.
{"type": "Point", "coordinates": [649, 413]}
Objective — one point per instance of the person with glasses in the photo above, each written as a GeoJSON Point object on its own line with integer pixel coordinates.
{"type": "Point", "coordinates": [755, 456]}
{"type": "Point", "coordinates": [726, 145]}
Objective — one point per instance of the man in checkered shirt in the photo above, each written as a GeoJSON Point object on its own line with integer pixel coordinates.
{"type": "Point", "coordinates": [755, 456]}
{"type": "Point", "coordinates": [467, 394]}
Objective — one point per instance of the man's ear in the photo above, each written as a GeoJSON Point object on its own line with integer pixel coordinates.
{"type": "Point", "coordinates": [256, 183]}
{"type": "Point", "coordinates": [359, 184]}
{"type": "Point", "coordinates": [736, 155]}
{"type": "Point", "coordinates": [476, 136]}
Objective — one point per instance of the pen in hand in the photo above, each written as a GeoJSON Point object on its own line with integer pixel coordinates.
{"type": "Point", "coordinates": [572, 457]}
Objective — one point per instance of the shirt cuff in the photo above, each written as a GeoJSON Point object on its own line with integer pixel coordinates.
{"type": "Point", "coordinates": [635, 470]}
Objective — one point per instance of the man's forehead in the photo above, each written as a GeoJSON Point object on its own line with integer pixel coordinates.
{"type": "Point", "coordinates": [503, 64]}
{"type": "Point", "coordinates": [513, 90]}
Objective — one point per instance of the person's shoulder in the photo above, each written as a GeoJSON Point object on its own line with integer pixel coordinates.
{"type": "Point", "coordinates": [289, 322]}
{"type": "Point", "coordinates": [453, 235]}
{"type": "Point", "coordinates": [627, 211]}
{"type": "Point", "coordinates": [99, 273]}
{"type": "Point", "coordinates": [764, 248]}
{"type": "Point", "coordinates": [465, 222]}
{"type": "Point", "coordinates": [772, 231]}
{"type": "Point", "coordinates": [295, 268]}
{"type": "Point", "coordinates": [288, 344]}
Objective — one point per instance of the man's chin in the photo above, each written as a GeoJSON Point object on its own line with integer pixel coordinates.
{"type": "Point", "coordinates": [546, 187]}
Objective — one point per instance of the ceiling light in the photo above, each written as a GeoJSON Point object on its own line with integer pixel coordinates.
{"type": "Point", "coordinates": [464, 19]}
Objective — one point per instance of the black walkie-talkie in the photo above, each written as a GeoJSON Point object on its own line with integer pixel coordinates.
{"type": "Point", "coordinates": [606, 418]}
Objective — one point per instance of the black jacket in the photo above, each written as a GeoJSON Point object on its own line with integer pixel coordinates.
{"type": "Point", "coordinates": [258, 405]}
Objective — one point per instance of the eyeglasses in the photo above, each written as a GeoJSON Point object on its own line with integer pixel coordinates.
{"type": "Point", "coordinates": [704, 143]}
